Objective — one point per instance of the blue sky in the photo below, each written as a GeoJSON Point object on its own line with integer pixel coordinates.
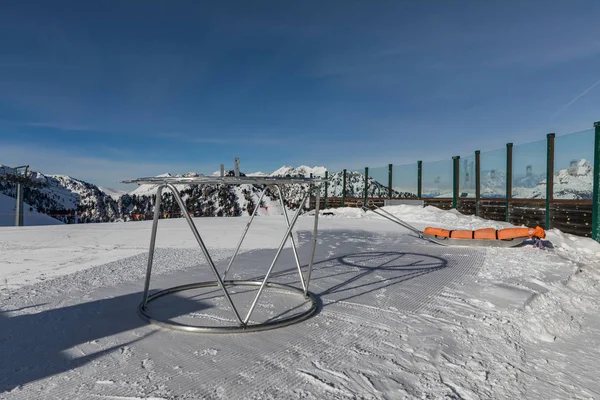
{"type": "Point", "coordinates": [111, 90]}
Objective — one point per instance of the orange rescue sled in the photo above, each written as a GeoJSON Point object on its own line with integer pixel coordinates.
{"type": "Point", "coordinates": [508, 237]}
{"type": "Point", "coordinates": [489, 236]}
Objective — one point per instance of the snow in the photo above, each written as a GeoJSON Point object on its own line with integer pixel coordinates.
{"type": "Point", "coordinates": [30, 215]}
{"type": "Point", "coordinates": [114, 193]}
{"type": "Point", "coordinates": [302, 170]}
{"type": "Point", "coordinates": [400, 317]}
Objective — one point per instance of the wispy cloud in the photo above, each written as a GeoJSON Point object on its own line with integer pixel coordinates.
{"type": "Point", "coordinates": [563, 108]}
{"type": "Point", "coordinates": [61, 126]}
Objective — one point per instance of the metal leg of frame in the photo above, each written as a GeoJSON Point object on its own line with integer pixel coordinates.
{"type": "Point", "coordinates": [283, 241]}
{"type": "Point", "coordinates": [314, 244]}
{"type": "Point", "coordinates": [294, 250]}
{"type": "Point", "coordinates": [152, 245]}
{"type": "Point", "coordinates": [381, 212]}
{"type": "Point", "coordinates": [237, 249]}
{"type": "Point", "coordinates": [204, 250]}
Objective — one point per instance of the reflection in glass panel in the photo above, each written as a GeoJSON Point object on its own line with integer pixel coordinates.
{"type": "Point", "coordinates": [404, 180]}
{"type": "Point", "coordinates": [529, 170]}
{"type": "Point", "coordinates": [437, 179]}
{"type": "Point", "coordinates": [493, 174]}
{"type": "Point", "coordinates": [467, 176]}
{"type": "Point", "coordinates": [574, 165]}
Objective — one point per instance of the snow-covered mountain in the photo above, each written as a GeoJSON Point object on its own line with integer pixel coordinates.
{"type": "Point", "coordinates": [355, 186]}
{"type": "Point", "coordinates": [302, 171]}
{"type": "Point", "coordinates": [62, 196]}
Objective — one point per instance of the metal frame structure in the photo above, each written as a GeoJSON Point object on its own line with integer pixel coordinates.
{"type": "Point", "coordinates": [244, 324]}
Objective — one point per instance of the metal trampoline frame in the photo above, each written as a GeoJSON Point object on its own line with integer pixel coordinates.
{"type": "Point", "coordinates": [244, 324]}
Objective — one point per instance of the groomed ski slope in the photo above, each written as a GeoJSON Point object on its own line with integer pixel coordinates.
{"type": "Point", "coordinates": [400, 318]}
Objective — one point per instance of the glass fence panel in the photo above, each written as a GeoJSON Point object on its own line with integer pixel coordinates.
{"type": "Point", "coordinates": [378, 182]}
{"type": "Point", "coordinates": [437, 178]}
{"type": "Point", "coordinates": [334, 185]}
{"type": "Point", "coordinates": [467, 177]}
{"type": "Point", "coordinates": [529, 170]}
{"type": "Point", "coordinates": [355, 183]}
{"type": "Point", "coordinates": [404, 180]}
{"type": "Point", "coordinates": [574, 166]}
{"type": "Point", "coordinates": [493, 174]}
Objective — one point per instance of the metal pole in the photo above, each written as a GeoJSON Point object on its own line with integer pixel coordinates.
{"type": "Point", "coordinates": [236, 168]}
{"type": "Point", "coordinates": [344, 189]}
{"type": "Point", "coordinates": [366, 184]}
{"type": "Point", "coordinates": [222, 169]}
{"type": "Point", "coordinates": [477, 181]}
{"type": "Point", "coordinates": [287, 220]}
{"type": "Point", "coordinates": [277, 254]}
{"type": "Point", "coordinates": [419, 179]}
{"type": "Point", "coordinates": [390, 168]}
{"type": "Point", "coordinates": [549, 176]}
{"type": "Point", "coordinates": [326, 187]}
{"type": "Point", "coordinates": [19, 207]}
{"type": "Point", "coordinates": [237, 249]}
{"type": "Point", "coordinates": [455, 180]}
{"type": "Point", "coordinates": [211, 264]}
{"type": "Point", "coordinates": [314, 244]}
{"type": "Point", "coordinates": [596, 190]}
{"type": "Point", "coordinates": [152, 245]}
{"type": "Point", "coordinates": [509, 165]}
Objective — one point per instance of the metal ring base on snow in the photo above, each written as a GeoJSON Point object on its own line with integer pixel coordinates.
{"type": "Point", "coordinates": [229, 329]}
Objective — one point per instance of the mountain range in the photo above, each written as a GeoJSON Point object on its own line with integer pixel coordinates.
{"type": "Point", "coordinates": [72, 200]}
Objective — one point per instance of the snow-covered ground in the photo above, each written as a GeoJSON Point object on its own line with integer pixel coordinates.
{"type": "Point", "coordinates": [400, 317]}
{"type": "Point", "coordinates": [31, 216]}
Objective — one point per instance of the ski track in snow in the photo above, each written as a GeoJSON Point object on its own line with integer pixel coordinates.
{"type": "Point", "coordinates": [401, 318]}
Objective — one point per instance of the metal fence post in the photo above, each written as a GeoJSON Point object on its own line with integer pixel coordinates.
{"type": "Point", "coordinates": [19, 207]}
{"type": "Point", "coordinates": [455, 180]}
{"type": "Point", "coordinates": [366, 184]}
{"type": "Point", "coordinates": [477, 181]}
{"type": "Point", "coordinates": [390, 168]}
{"type": "Point", "coordinates": [549, 176]}
{"type": "Point", "coordinates": [344, 189]}
{"type": "Point", "coordinates": [326, 186]}
{"type": "Point", "coordinates": [419, 179]}
{"type": "Point", "coordinates": [596, 192]}
{"type": "Point", "coordinates": [509, 165]}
